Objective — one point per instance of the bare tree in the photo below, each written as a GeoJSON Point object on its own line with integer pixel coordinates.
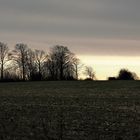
{"type": "Point", "coordinates": [51, 69]}
{"type": "Point", "coordinates": [20, 56]}
{"type": "Point", "coordinates": [3, 57]}
{"type": "Point", "coordinates": [77, 66]}
{"type": "Point", "coordinates": [31, 65]}
{"type": "Point", "coordinates": [40, 58]}
{"type": "Point", "coordinates": [60, 63]}
{"type": "Point", "coordinates": [89, 73]}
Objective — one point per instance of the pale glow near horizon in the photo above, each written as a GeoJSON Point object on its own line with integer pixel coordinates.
{"type": "Point", "coordinates": [106, 66]}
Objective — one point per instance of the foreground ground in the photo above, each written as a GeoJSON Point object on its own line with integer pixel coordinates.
{"type": "Point", "coordinates": [81, 110]}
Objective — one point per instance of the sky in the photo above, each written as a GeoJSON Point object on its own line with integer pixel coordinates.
{"type": "Point", "coordinates": [104, 34]}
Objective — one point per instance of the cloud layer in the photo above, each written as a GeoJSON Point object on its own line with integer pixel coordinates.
{"type": "Point", "coordinates": [98, 27]}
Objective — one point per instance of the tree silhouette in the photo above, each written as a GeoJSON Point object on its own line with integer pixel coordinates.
{"type": "Point", "coordinates": [77, 67]}
{"type": "Point", "coordinates": [125, 74]}
{"type": "Point", "coordinates": [20, 55]}
{"type": "Point", "coordinates": [40, 58]}
{"type": "Point", "coordinates": [60, 63]}
{"type": "Point", "coordinates": [3, 57]}
{"type": "Point", "coordinates": [24, 63]}
{"type": "Point", "coordinates": [31, 68]}
{"type": "Point", "coordinates": [89, 73]}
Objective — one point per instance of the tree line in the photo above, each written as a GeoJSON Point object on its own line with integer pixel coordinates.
{"type": "Point", "coordinates": [26, 64]}
{"type": "Point", "coordinates": [125, 74]}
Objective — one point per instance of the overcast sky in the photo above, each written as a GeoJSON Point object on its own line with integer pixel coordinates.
{"type": "Point", "coordinates": [91, 27]}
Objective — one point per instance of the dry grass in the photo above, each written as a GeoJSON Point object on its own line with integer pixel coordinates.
{"type": "Point", "coordinates": [80, 110]}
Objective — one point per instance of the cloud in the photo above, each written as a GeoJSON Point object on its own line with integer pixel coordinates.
{"type": "Point", "coordinates": [101, 27]}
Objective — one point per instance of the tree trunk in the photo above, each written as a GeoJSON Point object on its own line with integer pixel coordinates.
{"type": "Point", "coordinates": [1, 71]}
{"type": "Point", "coordinates": [40, 75]}
{"type": "Point", "coordinates": [61, 73]}
{"type": "Point", "coordinates": [76, 72]}
{"type": "Point", "coordinates": [23, 72]}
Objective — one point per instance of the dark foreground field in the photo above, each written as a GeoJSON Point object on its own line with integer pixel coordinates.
{"type": "Point", "coordinates": [70, 110]}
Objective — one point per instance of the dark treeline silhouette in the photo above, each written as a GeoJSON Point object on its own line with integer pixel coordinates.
{"type": "Point", "coordinates": [125, 74]}
{"type": "Point", "coordinates": [26, 64]}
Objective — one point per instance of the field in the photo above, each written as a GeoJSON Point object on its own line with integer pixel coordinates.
{"type": "Point", "coordinates": [74, 110]}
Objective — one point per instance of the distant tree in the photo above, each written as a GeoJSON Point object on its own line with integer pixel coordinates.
{"type": "Point", "coordinates": [3, 57]}
{"type": "Point", "coordinates": [89, 73]}
{"type": "Point", "coordinates": [20, 56]}
{"type": "Point", "coordinates": [125, 74]}
{"type": "Point", "coordinates": [60, 63]}
{"type": "Point", "coordinates": [40, 58]}
{"type": "Point", "coordinates": [51, 69]}
{"type": "Point", "coordinates": [31, 66]}
{"type": "Point", "coordinates": [77, 67]}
